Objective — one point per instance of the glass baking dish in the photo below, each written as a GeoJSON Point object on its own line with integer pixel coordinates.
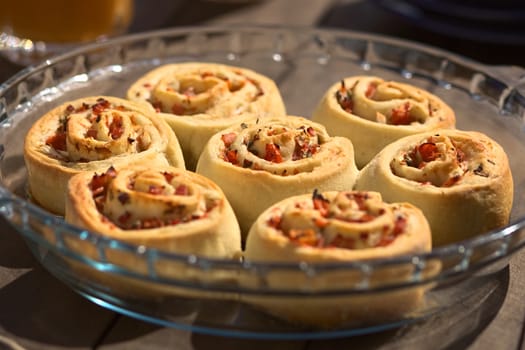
{"type": "Point", "coordinates": [304, 63]}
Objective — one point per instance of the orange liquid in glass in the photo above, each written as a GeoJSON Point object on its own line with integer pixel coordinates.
{"type": "Point", "coordinates": [65, 21]}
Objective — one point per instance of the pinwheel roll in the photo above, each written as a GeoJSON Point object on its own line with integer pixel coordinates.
{"type": "Point", "coordinates": [93, 133]}
{"type": "Point", "coordinates": [460, 179]}
{"type": "Point", "coordinates": [262, 161]}
{"type": "Point", "coordinates": [338, 227]}
{"type": "Point", "coordinates": [163, 207]}
{"type": "Point", "coordinates": [373, 112]}
{"type": "Point", "coordinates": [200, 99]}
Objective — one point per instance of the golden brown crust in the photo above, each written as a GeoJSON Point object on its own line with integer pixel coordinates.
{"type": "Point", "coordinates": [167, 208]}
{"type": "Point", "coordinates": [460, 179]}
{"type": "Point", "coordinates": [262, 161]}
{"type": "Point", "coordinates": [338, 227]}
{"type": "Point", "coordinates": [199, 99]}
{"type": "Point", "coordinates": [373, 112]}
{"type": "Point", "coordinates": [89, 134]}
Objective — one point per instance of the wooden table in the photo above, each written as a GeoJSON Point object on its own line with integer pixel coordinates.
{"type": "Point", "coordinates": [39, 312]}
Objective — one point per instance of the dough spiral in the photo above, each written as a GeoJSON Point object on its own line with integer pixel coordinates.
{"type": "Point", "coordinates": [166, 208]}
{"type": "Point", "coordinates": [262, 161]}
{"type": "Point", "coordinates": [373, 112]}
{"type": "Point", "coordinates": [460, 179]}
{"type": "Point", "coordinates": [93, 133]}
{"type": "Point", "coordinates": [199, 99]}
{"type": "Point", "coordinates": [338, 227]}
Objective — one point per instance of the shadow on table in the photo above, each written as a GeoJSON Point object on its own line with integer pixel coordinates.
{"type": "Point", "coordinates": [368, 16]}
{"type": "Point", "coordinates": [37, 307]}
{"type": "Point", "coordinates": [14, 252]}
{"type": "Point", "coordinates": [155, 14]}
{"type": "Point", "coordinates": [455, 327]}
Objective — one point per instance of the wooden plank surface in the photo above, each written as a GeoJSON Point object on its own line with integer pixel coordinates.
{"type": "Point", "coordinates": [36, 310]}
{"type": "Point", "coordinates": [39, 312]}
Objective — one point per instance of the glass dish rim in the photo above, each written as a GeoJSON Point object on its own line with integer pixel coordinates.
{"type": "Point", "coordinates": [8, 198]}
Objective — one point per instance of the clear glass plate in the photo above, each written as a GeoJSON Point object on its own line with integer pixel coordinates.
{"type": "Point", "coordinates": [304, 63]}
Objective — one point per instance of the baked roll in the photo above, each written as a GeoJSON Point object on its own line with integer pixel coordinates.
{"type": "Point", "coordinates": [200, 99]}
{"type": "Point", "coordinates": [262, 161]}
{"type": "Point", "coordinates": [460, 179]}
{"type": "Point", "coordinates": [338, 227]}
{"type": "Point", "coordinates": [373, 112]}
{"type": "Point", "coordinates": [93, 133]}
{"type": "Point", "coordinates": [167, 208]}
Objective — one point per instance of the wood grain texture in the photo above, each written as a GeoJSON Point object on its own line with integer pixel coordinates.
{"type": "Point", "coordinates": [39, 312]}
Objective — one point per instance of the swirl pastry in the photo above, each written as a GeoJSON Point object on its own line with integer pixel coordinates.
{"type": "Point", "coordinates": [373, 112]}
{"type": "Point", "coordinates": [460, 179]}
{"type": "Point", "coordinates": [200, 99]}
{"type": "Point", "coordinates": [93, 133]}
{"type": "Point", "coordinates": [335, 227]}
{"type": "Point", "coordinates": [163, 207]}
{"type": "Point", "coordinates": [262, 161]}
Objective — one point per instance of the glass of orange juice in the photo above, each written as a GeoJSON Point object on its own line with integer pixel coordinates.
{"type": "Point", "coordinates": [43, 26]}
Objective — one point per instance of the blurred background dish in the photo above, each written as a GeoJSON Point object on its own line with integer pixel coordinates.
{"type": "Point", "coordinates": [33, 29]}
{"type": "Point", "coordinates": [499, 22]}
{"type": "Point", "coordinates": [488, 31]}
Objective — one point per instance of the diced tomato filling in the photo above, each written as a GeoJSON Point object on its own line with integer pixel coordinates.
{"type": "Point", "coordinates": [305, 237]}
{"type": "Point", "coordinates": [314, 236]}
{"type": "Point", "coordinates": [360, 199]}
{"type": "Point", "coordinates": [231, 156]}
{"type": "Point", "coordinates": [344, 97]}
{"type": "Point", "coordinates": [275, 222]}
{"type": "Point", "coordinates": [228, 138]}
{"type": "Point", "coordinates": [400, 225]}
{"type": "Point", "coordinates": [168, 176]}
{"type": "Point", "coordinates": [99, 184]}
{"type": "Point", "coordinates": [460, 155]}
{"type": "Point", "coordinates": [124, 219]}
{"type": "Point", "coordinates": [57, 141]}
{"type": "Point", "coordinates": [178, 109]}
{"type": "Point", "coordinates": [70, 109]}
{"type": "Point", "coordinates": [100, 106]}
{"type": "Point", "coordinates": [272, 153]}
{"type": "Point", "coordinates": [451, 181]}
{"type": "Point", "coordinates": [401, 115]}
{"type": "Point", "coordinates": [311, 131]}
{"type": "Point", "coordinates": [91, 133]}
{"type": "Point", "coordinates": [157, 105]}
{"type": "Point", "coordinates": [82, 108]}
{"type": "Point", "coordinates": [116, 128]}
{"type": "Point", "coordinates": [399, 228]}
{"type": "Point", "coordinates": [346, 103]}
{"type": "Point", "coordinates": [364, 218]}
{"type": "Point", "coordinates": [428, 151]}
{"type": "Point", "coordinates": [320, 222]}
{"type": "Point", "coordinates": [151, 223]}
{"type": "Point", "coordinates": [371, 90]}
{"type": "Point", "coordinates": [343, 242]}
{"type": "Point", "coordinates": [182, 190]}
{"type": "Point", "coordinates": [98, 181]}
{"type": "Point", "coordinates": [320, 203]}
{"type": "Point", "coordinates": [304, 150]}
